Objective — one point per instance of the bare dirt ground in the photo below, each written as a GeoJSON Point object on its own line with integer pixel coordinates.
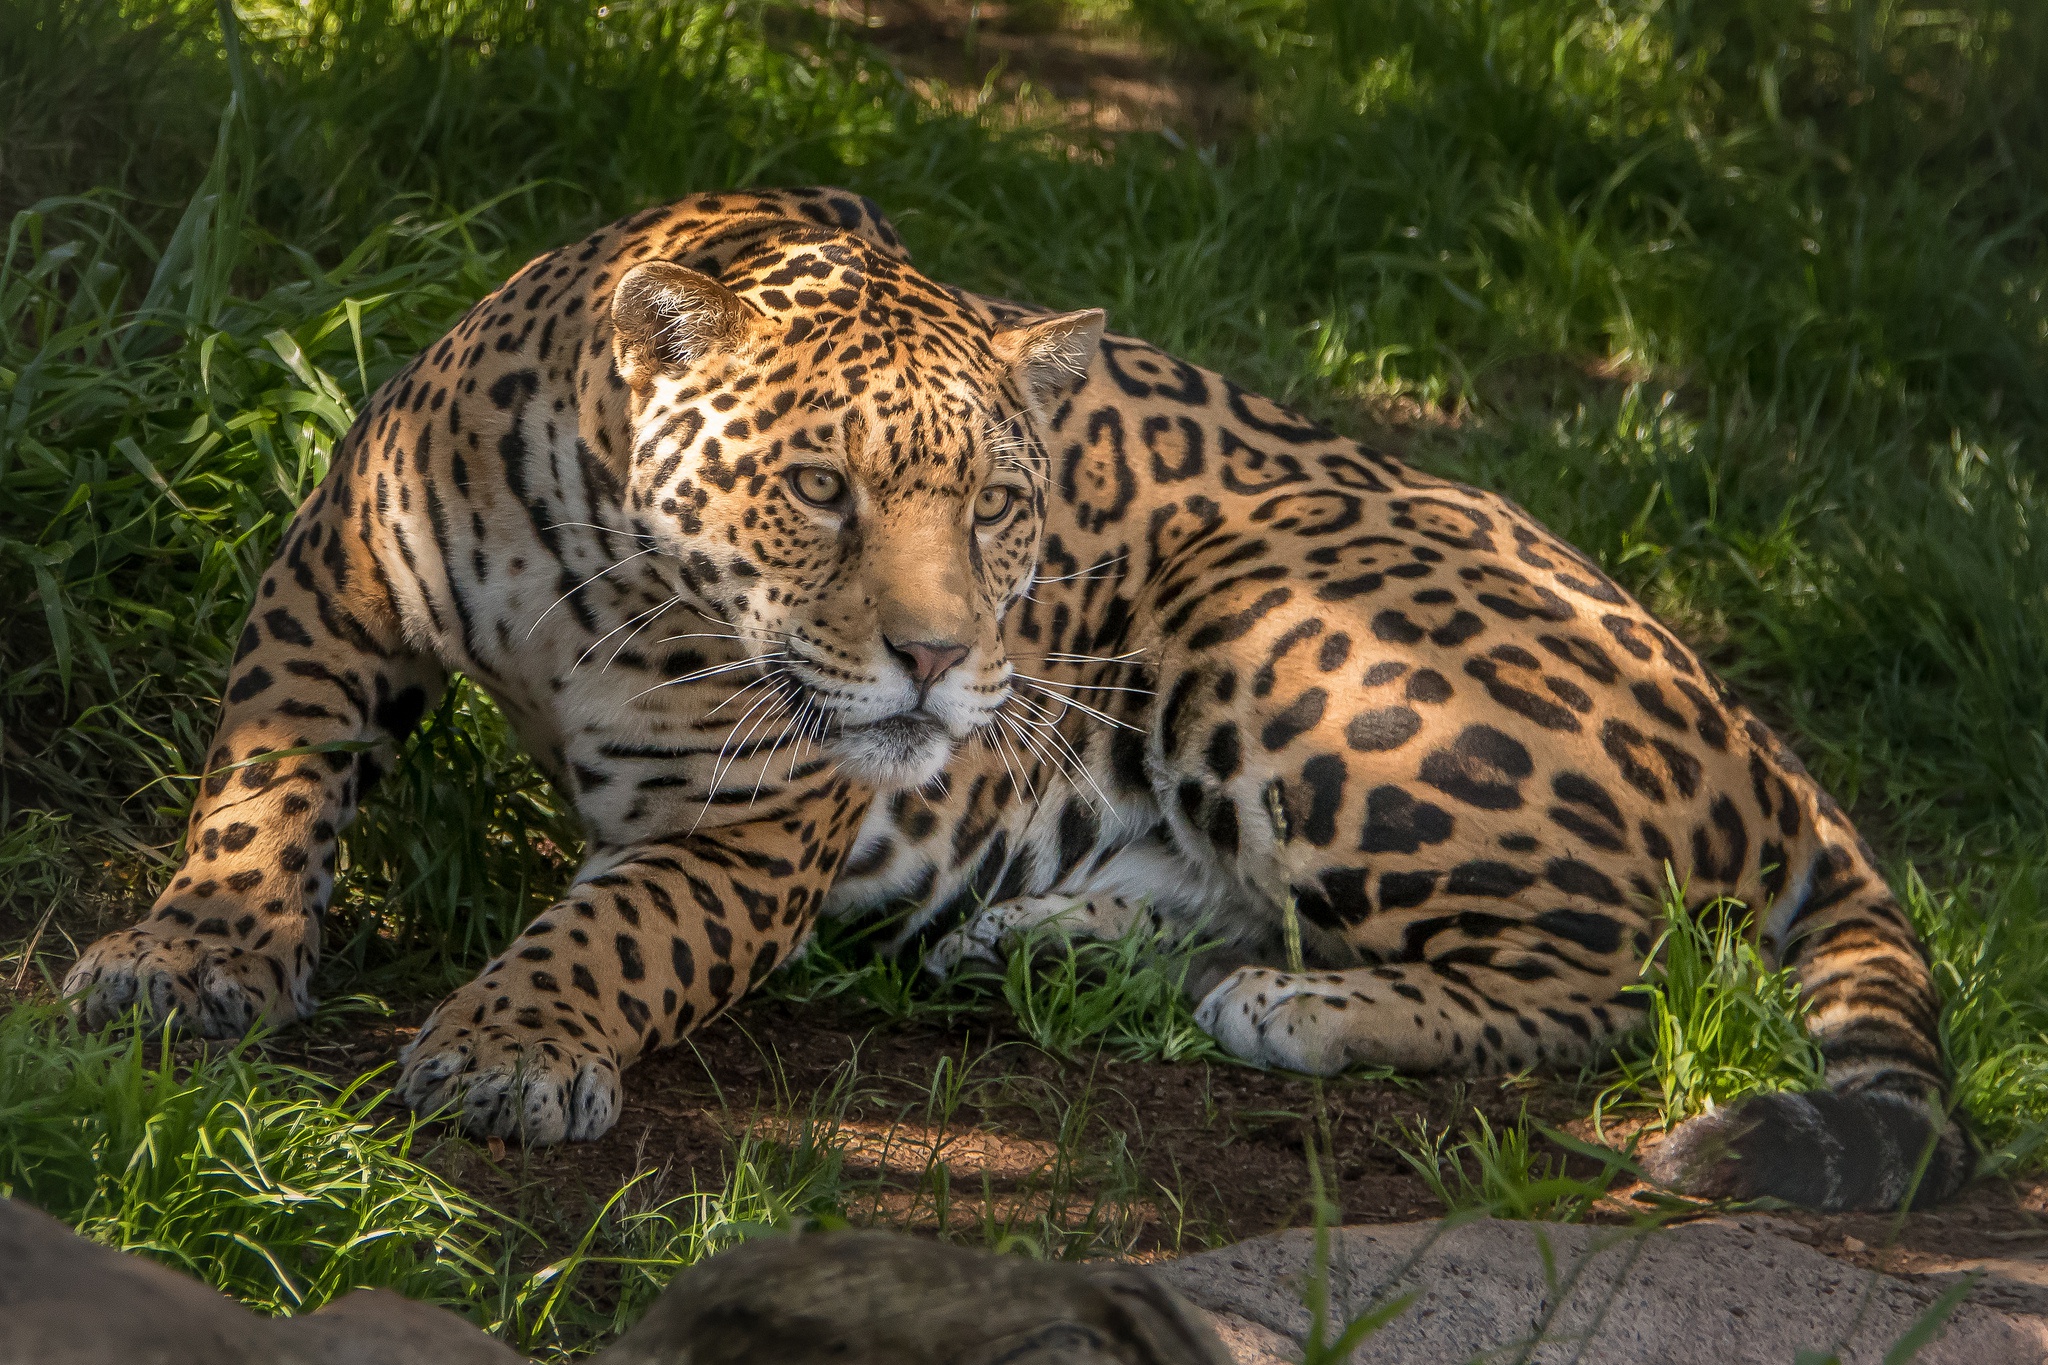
{"type": "Point", "coordinates": [1158, 1156]}
{"type": "Point", "coordinates": [1036, 59]}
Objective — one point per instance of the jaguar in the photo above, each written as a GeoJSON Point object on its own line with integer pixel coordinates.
{"type": "Point", "coordinates": [818, 586]}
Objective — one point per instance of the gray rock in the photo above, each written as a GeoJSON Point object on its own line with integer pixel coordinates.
{"type": "Point", "coordinates": [1698, 1294]}
{"type": "Point", "coordinates": [378, 1327]}
{"type": "Point", "coordinates": [864, 1298]}
{"type": "Point", "coordinates": [872, 1298]}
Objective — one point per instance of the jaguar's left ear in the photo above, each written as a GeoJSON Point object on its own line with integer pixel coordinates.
{"type": "Point", "coordinates": [1047, 355]}
{"type": "Point", "coordinates": [667, 318]}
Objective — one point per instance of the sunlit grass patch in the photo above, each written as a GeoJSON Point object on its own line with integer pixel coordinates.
{"type": "Point", "coordinates": [1504, 1173]}
{"type": "Point", "coordinates": [1721, 1021]}
{"type": "Point", "coordinates": [1071, 996]}
{"type": "Point", "coordinates": [1124, 996]}
{"type": "Point", "coordinates": [852, 959]}
{"type": "Point", "coordinates": [1989, 939]}
{"type": "Point", "coordinates": [267, 1183]}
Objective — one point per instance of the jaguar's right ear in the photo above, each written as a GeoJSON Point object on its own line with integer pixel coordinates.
{"type": "Point", "coordinates": [667, 318]}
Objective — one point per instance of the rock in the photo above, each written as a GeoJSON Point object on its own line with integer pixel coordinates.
{"type": "Point", "coordinates": [856, 1298]}
{"type": "Point", "coordinates": [872, 1298]}
{"type": "Point", "coordinates": [1697, 1294]}
{"type": "Point", "coordinates": [67, 1301]}
{"type": "Point", "coordinates": [378, 1327]}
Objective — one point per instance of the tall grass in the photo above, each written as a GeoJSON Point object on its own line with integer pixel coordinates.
{"type": "Point", "coordinates": [1770, 357]}
{"type": "Point", "coordinates": [1989, 938]}
{"type": "Point", "coordinates": [1745, 298]}
{"type": "Point", "coordinates": [1722, 1022]}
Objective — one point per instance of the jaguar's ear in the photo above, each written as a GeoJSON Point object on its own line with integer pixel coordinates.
{"type": "Point", "coordinates": [667, 318]}
{"type": "Point", "coordinates": [1047, 355]}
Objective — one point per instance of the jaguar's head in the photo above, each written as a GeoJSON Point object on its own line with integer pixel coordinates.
{"type": "Point", "coordinates": [849, 467]}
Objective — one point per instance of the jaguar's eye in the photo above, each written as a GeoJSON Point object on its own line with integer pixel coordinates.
{"type": "Point", "coordinates": [818, 485]}
{"type": "Point", "coordinates": [994, 503]}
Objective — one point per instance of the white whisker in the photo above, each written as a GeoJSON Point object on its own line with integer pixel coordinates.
{"type": "Point", "coordinates": [1084, 708]}
{"type": "Point", "coordinates": [772, 675]}
{"type": "Point", "coordinates": [781, 738]}
{"type": "Point", "coordinates": [591, 648]}
{"type": "Point", "coordinates": [1000, 751]}
{"type": "Point", "coordinates": [1079, 762]}
{"type": "Point", "coordinates": [595, 526]}
{"type": "Point", "coordinates": [1047, 728]}
{"type": "Point", "coordinates": [1058, 659]}
{"type": "Point", "coordinates": [722, 763]}
{"type": "Point", "coordinates": [702, 673]}
{"type": "Point", "coordinates": [801, 724]}
{"type": "Point", "coordinates": [619, 564]}
{"type": "Point", "coordinates": [1062, 760]}
{"type": "Point", "coordinates": [1080, 686]}
{"type": "Point", "coordinates": [1097, 570]}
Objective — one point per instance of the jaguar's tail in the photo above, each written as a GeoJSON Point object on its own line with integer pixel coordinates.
{"type": "Point", "coordinates": [1881, 1136]}
{"type": "Point", "coordinates": [1874, 1150]}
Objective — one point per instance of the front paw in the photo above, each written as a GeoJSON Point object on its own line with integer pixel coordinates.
{"type": "Point", "coordinates": [216, 988]}
{"type": "Point", "coordinates": [1290, 1021]}
{"type": "Point", "coordinates": [509, 1072]}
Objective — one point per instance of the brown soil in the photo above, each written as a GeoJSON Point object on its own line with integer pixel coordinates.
{"type": "Point", "coordinates": [1130, 1157]}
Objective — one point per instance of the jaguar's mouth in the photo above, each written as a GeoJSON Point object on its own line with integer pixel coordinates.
{"type": "Point", "coordinates": [907, 749]}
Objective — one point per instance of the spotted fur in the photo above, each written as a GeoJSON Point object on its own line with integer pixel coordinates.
{"type": "Point", "coordinates": [819, 586]}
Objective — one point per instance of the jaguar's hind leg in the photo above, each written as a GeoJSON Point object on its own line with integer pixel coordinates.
{"type": "Point", "coordinates": [994, 930]}
{"type": "Point", "coordinates": [1144, 884]}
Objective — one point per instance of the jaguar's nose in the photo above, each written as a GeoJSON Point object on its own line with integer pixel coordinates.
{"type": "Point", "coordinates": [926, 660]}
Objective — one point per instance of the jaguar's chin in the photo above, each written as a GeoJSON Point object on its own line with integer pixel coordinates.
{"type": "Point", "coordinates": [896, 752]}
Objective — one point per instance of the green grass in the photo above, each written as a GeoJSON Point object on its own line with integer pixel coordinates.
{"type": "Point", "coordinates": [1125, 996]}
{"type": "Point", "coordinates": [264, 1182]}
{"type": "Point", "coordinates": [287, 1190]}
{"type": "Point", "coordinates": [1989, 937]}
{"type": "Point", "coordinates": [1072, 998]}
{"type": "Point", "coordinates": [1744, 298]}
{"type": "Point", "coordinates": [1722, 1022]}
{"type": "Point", "coordinates": [1504, 1173]}
{"type": "Point", "coordinates": [847, 960]}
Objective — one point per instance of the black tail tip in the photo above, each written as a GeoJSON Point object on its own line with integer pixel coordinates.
{"type": "Point", "coordinates": [1869, 1151]}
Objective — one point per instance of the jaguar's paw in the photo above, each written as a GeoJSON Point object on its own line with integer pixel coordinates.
{"type": "Point", "coordinates": [211, 986]}
{"type": "Point", "coordinates": [506, 1073]}
{"type": "Point", "coordinates": [1286, 1020]}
